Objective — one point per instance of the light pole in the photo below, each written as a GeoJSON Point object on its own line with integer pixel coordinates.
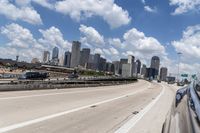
{"type": "Point", "coordinates": [179, 58]}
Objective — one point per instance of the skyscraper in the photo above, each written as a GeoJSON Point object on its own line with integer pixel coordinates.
{"type": "Point", "coordinates": [122, 61]}
{"type": "Point", "coordinates": [85, 53]}
{"type": "Point", "coordinates": [46, 56]}
{"type": "Point", "coordinates": [131, 59]}
{"type": "Point", "coordinates": [138, 62]}
{"type": "Point", "coordinates": [75, 55]}
{"type": "Point", "coordinates": [91, 62]}
{"type": "Point", "coordinates": [144, 69]}
{"type": "Point", "coordinates": [67, 59]}
{"type": "Point", "coordinates": [55, 59]}
{"type": "Point", "coordinates": [55, 53]}
{"type": "Point", "coordinates": [102, 64]}
{"type": "Point", "coordinates": [117, 66]}
{"type": "Point", "coordinates": [126, 70]}
{"type": "Point", "coordinates": [133, 65]}
{"type": "Point", "coordinates": [110, 67]}
{"type": "Point", "coordinates": [163, 73]}
{"type": "Point", "coordinates": [97, 61]}
{"type": "Point", "coordinates": [155, 63]}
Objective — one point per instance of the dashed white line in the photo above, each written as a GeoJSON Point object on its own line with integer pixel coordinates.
{"type": "Point", "coordinates": [34, 121]}
{"type": "Point", "coordinates": [132, 122]}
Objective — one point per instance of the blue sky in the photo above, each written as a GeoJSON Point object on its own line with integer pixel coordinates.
{"type": "Point", "coordinates": [114, 28]}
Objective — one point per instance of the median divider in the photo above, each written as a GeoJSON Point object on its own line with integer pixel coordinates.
{"type": "Point", "coordinates": [60, 84]}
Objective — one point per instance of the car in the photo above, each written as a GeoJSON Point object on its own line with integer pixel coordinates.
{"type": "Point", "coordinates": [184, 115]}
{"type": "Point", "coordinates": [33, 76]}
{"type": "Point", "coordinates": [180, 83]}
{"type": "Point", "coordinates": [73, 76]}
{"type": "Point", "coordinates": [159, 81]}
{"type": "Point", "coordinates": [171, 82]}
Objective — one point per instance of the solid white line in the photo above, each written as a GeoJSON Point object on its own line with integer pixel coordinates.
{"type": "Point", "coordinates": [50, 94]}
{"type": "Point", "coordinates": [30, 122]}
{"type": "Point", "coordinates": [132, 122]}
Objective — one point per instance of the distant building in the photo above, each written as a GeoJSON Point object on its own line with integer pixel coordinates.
{"type": "Point", "coordinates": [75, 55]}
{"type": "Point", "coordinates": [131, 59]}
{"type": "Point", "coordinates": [55, 59]}
{"type": "Point", "coordinates": [67, 59]}
{"type": "Point", "coordinates": [155, 63]}
{"type": "Point", "coordinates": [61, 60]}
{"type": "Point", "coordinates": [122, 61]}
{"type": "Point", "coordinates": [91, 62]}
{"type": "Point", "coordinates": [35, 61]}
{"type": "Point", "coordinates": [134, 69]}
{"type": "Point", "coordinates": [46, 56]}
{"type": "Point", "coordinates": [55, 53]}
{"type": "Point", "coordinates": [151, 73]}
{"type": "Point", "coordinates": [110, 67]}
{"type": "Point", "coordinates": [163, 73]}
{"type": "Point", "coordinates": [143, 70]}
{"type": "Point", "coordinates": [97, 61]}
{"type": "Point", "coordinates": [117, 67]}
{"type": "Point", "coordinates": [102, 64]}
{"type": "Point", "coordinates": [17, 58]}
{"type": "Point", "coordinates": [126, 70]}
{"type": "Point", "coordinates": [84, 57]}
{"type": "Point", "coordinates": [138, 66]}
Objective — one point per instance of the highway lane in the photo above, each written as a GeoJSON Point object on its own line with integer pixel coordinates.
{"type": "Point", "coordinates": [89, 110]}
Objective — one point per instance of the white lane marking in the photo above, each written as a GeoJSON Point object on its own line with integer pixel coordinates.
{"type": "Point", "coordinates": [30, 122]}
{"type": "Point", "coordinates": [50, 94]}
{"type": "Point", "coordinates": [177, 123]}
{"type": "Point", "coordinates": [132, 122]}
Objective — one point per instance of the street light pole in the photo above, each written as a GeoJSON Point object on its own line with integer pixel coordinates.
{"type": "Point", "coordinates": [179, 58]}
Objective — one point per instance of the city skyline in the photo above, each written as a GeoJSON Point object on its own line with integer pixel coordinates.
{"type": "Point", "coordinates": [82, 58]}
{"type": "Point", "coordinates": [127, 33]}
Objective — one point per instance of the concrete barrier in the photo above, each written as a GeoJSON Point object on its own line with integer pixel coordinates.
{"type": "Point", "coordinates": [38, 85]}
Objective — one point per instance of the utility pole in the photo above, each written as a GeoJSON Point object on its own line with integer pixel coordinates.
{"type": "Point", "coordinates": [179, 59]}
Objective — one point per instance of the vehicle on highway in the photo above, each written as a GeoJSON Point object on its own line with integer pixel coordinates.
{"type": "Point", "coordinates": [171, 80]}
{"type": "Point", "coordinates": [159, 81]}
{"type": "Point", "coordinates": [33, 76]}
{"type": "Point", "coordinates": [184, 116]}
{"type": "Point", "coordinates": [181, 83]}
{"type": "Point", "coordinates": [73, 76]}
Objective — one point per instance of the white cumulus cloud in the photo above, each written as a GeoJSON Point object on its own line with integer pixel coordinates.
{"type": "Point", "coordinates": [53, 37]}
{"type": "Point", "coordinates": [183, 6]}
{"type": "Point", "coordinates": [150, 9]}
{"type": "Point", "coordinates": [18, 36]}
{"type": "Point", "coordinates": [20, 41]}
{"type": "Point", "coordinates": [189, 46]}
{"type": "Point", "coordinates": [91, 37]}
{"type": "Point", "coordinates": [24, 13]}
{"type": "Point", "coordinates": [113, 14]}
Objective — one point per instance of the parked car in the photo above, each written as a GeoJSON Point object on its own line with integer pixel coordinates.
{"type": "Point", "coordinates": [184, 116]}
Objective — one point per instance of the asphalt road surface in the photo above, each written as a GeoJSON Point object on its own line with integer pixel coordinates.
{"type": "Point", "coordinates": [133, 108]}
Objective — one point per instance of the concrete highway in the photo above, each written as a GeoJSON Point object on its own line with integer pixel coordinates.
{"type": "Point", "coordinates": [139, 107]}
